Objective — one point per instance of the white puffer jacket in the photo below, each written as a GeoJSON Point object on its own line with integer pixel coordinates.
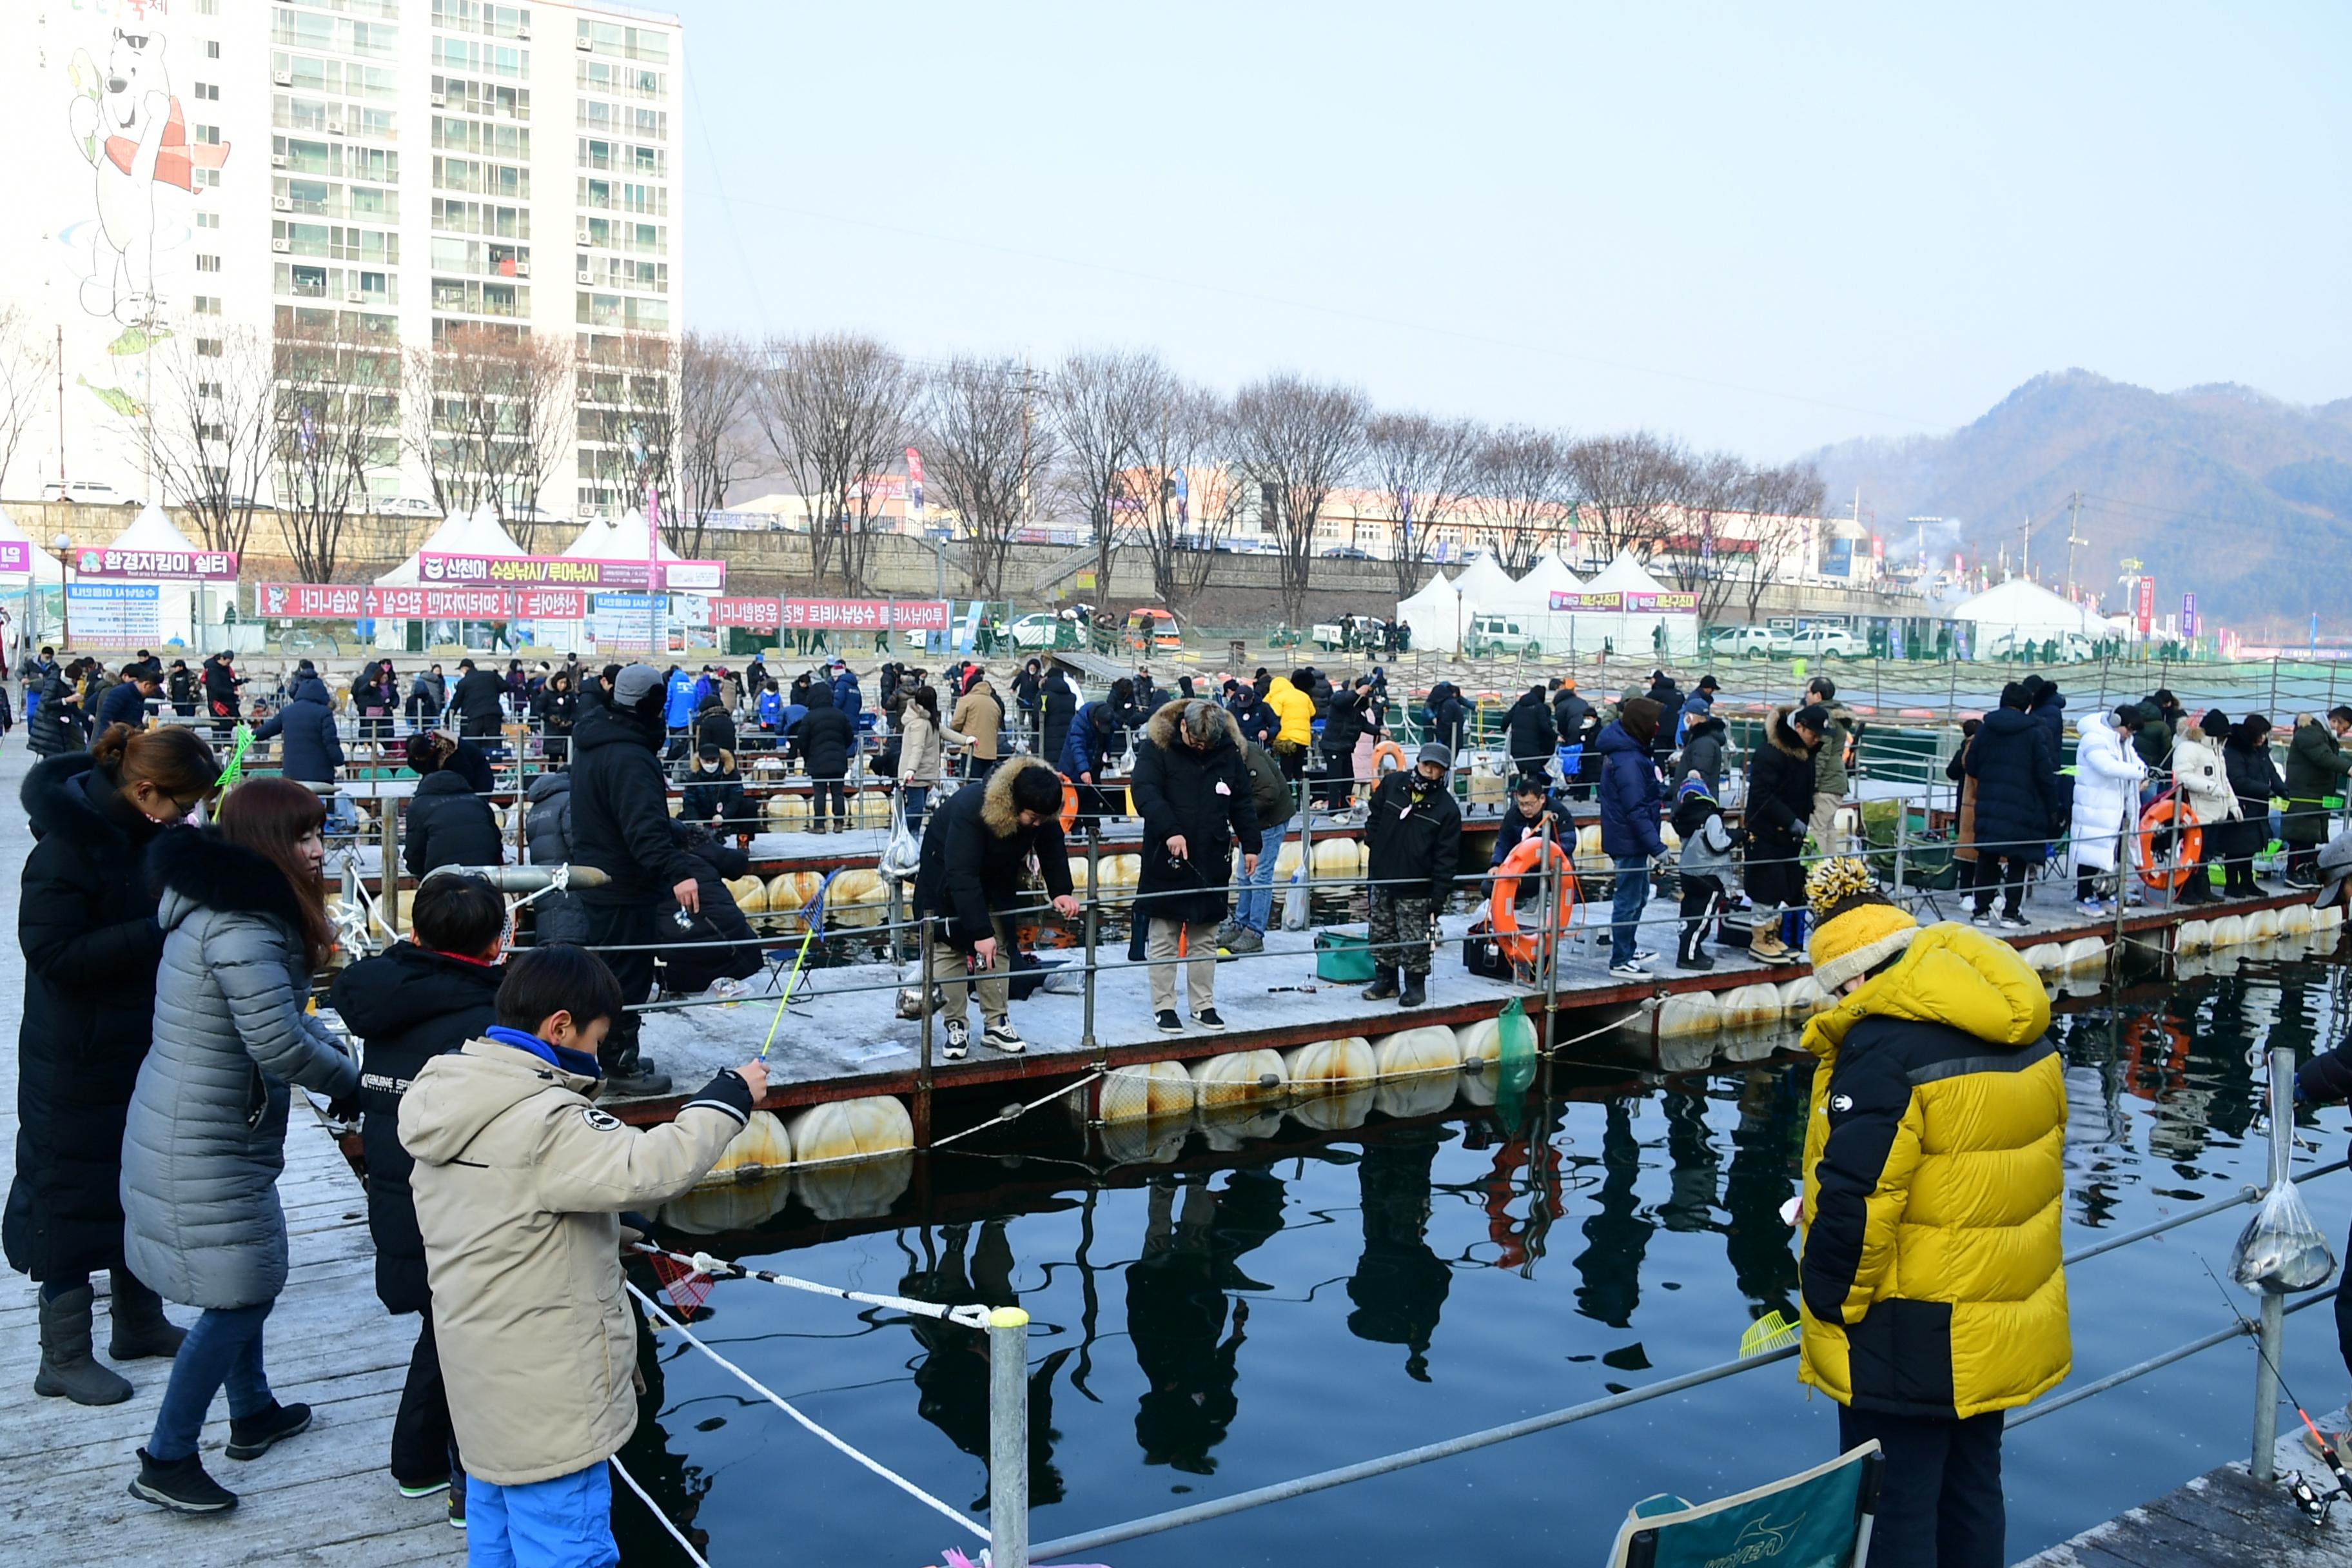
{"type": "Point", "coordinates": [2107, 776]}
{"type": "Point", "coordinates": [2202, 779]}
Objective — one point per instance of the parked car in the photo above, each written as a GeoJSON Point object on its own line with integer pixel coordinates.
{"type": "Point", "coordinates": [1041, 630]}
{"type": "Point", "coordinates": [2072, 648]}
{"type": "Point", "coordinates": [407, 505]}
{"type": "Point", "coordinates": [1741, 642]}
{"type": "Point", "coordinates": [84, 492]}
{"type": "Point", "coordinates": [1826, 642]}
{"type": "Point", "coordinates": [1499, 634]}
{"type": "Point", "coordinates": [1347, 553]}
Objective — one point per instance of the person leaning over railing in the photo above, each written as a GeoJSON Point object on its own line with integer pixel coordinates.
{"type": "Point", "coordinates": [1931, 1276]}
{"type": "Point", "coordinates": [2316, 765]}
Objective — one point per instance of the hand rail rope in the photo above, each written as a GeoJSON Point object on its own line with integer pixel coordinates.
{"type": "Point", "coordinates": [654, 1508]}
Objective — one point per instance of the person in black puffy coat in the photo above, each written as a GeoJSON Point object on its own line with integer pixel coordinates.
{"type": "Point", "coordinates": [1779, 805]}
{"type": "Point", "coordinates": [86, 925]}
{"type": "Point", "coordinates": [2255, 780]}
{"type": "Point", "coordinates": [2016, 772]}
{"type": "Point", "coordinates": [1191, 787]}
{"type": "Point", "coordinates": [417, 1000]}
{"type": "Point", "coordinates": [311, 749]}
{"type": "Point", "coordinates": [1341, 727]}
{"type": "Point", "coordinates": [1058, 702]}
{"type": "Point", "coordinates": [448, 824]}
{"type": "Point", "coordinates": [1532, 733]}
{"type": "Point", "coordinates": [823, 742]}
{"type": "Point", "coordinates": [716, 941]}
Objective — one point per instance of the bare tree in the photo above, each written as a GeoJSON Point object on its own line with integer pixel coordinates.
{"type": "Point", "coordinates": [210, 426]}
{"type": "Point", "coordinates": [1709, 532]}
{"type": "Point", "coordinates": [629, 424]}
{"type": "Point", "coordinates": [987, 455]}
{"type": "Point", "coordinates": [25, 366]}
{"type": "Point", "coordinates": [1423, 469]}
{"type": "Point", "coordinates": [1782, 502]}
{"type": "Point", "coordinates": [1298, 440]}
{"type": "Point", "coordinates": [490, 412]}
{"type": "Point", "coordinates": [717, 380]}
{"type": "Point", "coordinates": [1523, 494]}
{"type": "Point", "coordinates": [1101, 404]}
{"type": "Point", "coordinates": [835, 410]}
{"type": "Point", "coordinates": [1180, 529]}
{"type": "Point", "coordinates": [336, 419]}
{"type": "Point", "coordinates": [1626, 488]}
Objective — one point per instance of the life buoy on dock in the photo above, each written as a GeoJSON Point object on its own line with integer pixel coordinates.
{"type": "Point", "coordinates": [1389, 753]}
{"type": "Point", "coordinates": [1502, 913]}
{"type": "Point", "coordinates": [2172, 844]}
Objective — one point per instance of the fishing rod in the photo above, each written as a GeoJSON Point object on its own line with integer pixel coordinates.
{"type": "Point", "coordinates": [2314, 1505]}
{"type": "Point", "coordinates": [812, 917]}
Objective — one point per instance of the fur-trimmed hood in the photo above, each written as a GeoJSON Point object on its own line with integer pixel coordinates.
{"type": "Point", "coordinates": [1703, 725]}
{"type": "Point", "coordinates": [1161, 729]}
{"type": "Point", "coordinates": [198, 868]}
{"type": "Point", "coordinates": [1783, 734]}
{"type": "Point", "coordinates": [996, 807]}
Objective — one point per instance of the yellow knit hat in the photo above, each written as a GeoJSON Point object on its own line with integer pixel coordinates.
{"type": "Point", "coordinates": [1855, 926]}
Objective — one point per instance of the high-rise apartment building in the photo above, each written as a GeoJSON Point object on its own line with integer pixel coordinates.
{"type": "Point", "coordinates": [376, 172]}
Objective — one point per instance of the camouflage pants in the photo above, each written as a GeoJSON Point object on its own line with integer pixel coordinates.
{"type": "Point", "coordinates": [1401, 931]}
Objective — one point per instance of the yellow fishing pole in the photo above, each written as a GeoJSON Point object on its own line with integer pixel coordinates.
{"type": "Point", "coordinates": [811, 916]}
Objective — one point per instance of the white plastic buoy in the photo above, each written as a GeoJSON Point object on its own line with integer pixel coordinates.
{"type": "Point", "coordinates": [2081, 954]}
{"type": "Point", "coordinates": [715, 1209]}
{"type": "Point", "coordinates": [1480, 1041]}
{"type": "Point", "coordinates": [2295, 919]}
{"type": "Point", "coordinates": [1331, 1107]}
{"type": "Point", "coordinates": [761, 1146]}
{"type": "Point", "coordinates": [2047, 957]}
{"type": "Point", "coordinates": [1689, 1013]}
{"type": "Point", "coordinates": [2228, 930]}
{"type": "Point", "coordinates": [1239, 1077]}
{"type": "Point", "coordinates": [1145, 1090]}
{"type": "Point", "coordinates": [2192, 936]}
{"type": "Point", "coordinates": [851, 1129]}
{"type": "Point", "coordinates": [1802, 998]}
{"type": "Point", "coordinates": [1411, 1053]}
{"type": "Point", "coordinates": [2261, 924]}
{"type": "Point", "coordinates": [1419, 1094]}
{"type": "Point", "coordinates": [1745, 1006]}
{"type": "Point", "coordinates": [750, 893]}
{"type": "Point", "coordinates": [855, 1189]}
{"type": "Point", "coordinates": [1312, 1068]}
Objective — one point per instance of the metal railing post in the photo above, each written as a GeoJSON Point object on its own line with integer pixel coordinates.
{"type": "Point", "coordinates": [2272, 1339]}
{"type": "Point", "coordinates": [923, 1060]}
{"type": "Point", "coordinates": [1008, 1439]}
{"type": "Point", "coordinates": [388, 872]}
{"type": "Point", "coordinates": [1094, 904]}
{"type": "Point", "coordinates": [1902, 840]}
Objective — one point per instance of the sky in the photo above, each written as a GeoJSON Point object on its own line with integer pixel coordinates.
{"type": "Point", "coordinates": [1755, 227]}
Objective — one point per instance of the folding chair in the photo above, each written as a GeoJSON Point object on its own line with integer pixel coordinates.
{"type": "Point", "coordinates": [1821, 1518]}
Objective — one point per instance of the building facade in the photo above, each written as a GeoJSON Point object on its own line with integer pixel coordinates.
{"type": "Point", "coordinates": [190, 174]}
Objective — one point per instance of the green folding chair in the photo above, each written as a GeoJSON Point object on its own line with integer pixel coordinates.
{"type": "Point", "coordinates": [1821, 1518]}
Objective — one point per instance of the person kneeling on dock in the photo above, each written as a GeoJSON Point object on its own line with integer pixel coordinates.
{"type": "Point", "coordinates": [1415, 832]}
{"type": "Point", "coordinates": [520, 1182]}
{"type": "Point", "coordinates": [1191, 787]}
{"type": "Point", "coordinates": [975, 850]}
{"type": "Point", "coordinates": [1933, 1286]}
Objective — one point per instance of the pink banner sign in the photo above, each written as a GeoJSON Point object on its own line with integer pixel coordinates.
{"type": "Point", "coordinates": [153, 565]}
{"type": "Point", "coordinates": [862, 615]}
{"type": "Point", "coordinates": [1633, 603]}
{"type": "Point", "coordinates": [437, 567]}
{"type": "Point", "coordinates": [357, 601]}
{"type": "Point", "coordinates": [16, 555]}
{"type": "Point", "coordinates": [750, 614]}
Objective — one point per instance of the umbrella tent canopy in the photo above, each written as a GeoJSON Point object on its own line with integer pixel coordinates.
{"type": "Point", "coordinates": [1436, 615]}
{"type": "Point", "coordinates": [2020, 608]}
{"type": "Point", "coordinates": [1625, 576]}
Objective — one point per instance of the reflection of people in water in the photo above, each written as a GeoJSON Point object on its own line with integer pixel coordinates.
{"type": "Point", "coordinates": [951, 1380]}
{"type": "Point", "coordinates": [1400, 1284]}
{"type": "Point", "coordinates": [1766, 1151]}
{"type": "Point", "coordinates": [676, 1487]}
{"type": "Point", "coordinates": [1176, 1312]}
{"type": "Point", "coordinates": [1617, 1235]}
{"type": "Point", "coordinates": [1690, 1189]}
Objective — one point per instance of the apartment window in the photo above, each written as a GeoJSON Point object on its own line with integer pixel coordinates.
{"type": "Point", "coordinates": [207, 263]}
{"type": "Point", "coordinates": [208, 389]}
{"type": "Point", "coordinates": [207, 305]}
{"type": "Point", "coordinates": [208, 7]}
{"type": "Point", "coordinates": [208, 179]}
{"type": "Point", "coordinates": [208, 220]}
{"type": "Point", "coordinates": [209, 135]}
{"type": "Point", "coordinates": [209, 348]}
{"type": "Point", "coordinates": [211, 48]}
{"type": "Point", "coordinates": [209, 92]}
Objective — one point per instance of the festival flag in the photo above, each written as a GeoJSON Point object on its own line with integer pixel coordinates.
{"type": "Point", "coordinates": [914, 487]}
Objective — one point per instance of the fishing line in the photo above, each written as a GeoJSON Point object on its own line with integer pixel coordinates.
{"type": "Point", "coordinates": [2311, 1502]}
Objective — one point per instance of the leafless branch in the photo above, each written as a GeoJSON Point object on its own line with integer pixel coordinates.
{"type": "Point", "coordinates": [987, 455]}
{"type": "Point", "coordinates": [490, 412]}
{"type": "Point", "coordinates": [1298, 440]}
{"type": "Point", "coordinates": [210, 431]}
{"type": "Point", "coordinates": [27, 362]}
{"type": "Point", "coordinates": [1423, 469]}
{"type": "Point", "coordinates": [336, 419]}
{"type": "Point", "coordinates": [836, 409]}
{"type": "Point", "coordinates": [1523, 494]}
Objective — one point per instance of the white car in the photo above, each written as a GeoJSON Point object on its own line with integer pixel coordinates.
{"type": "Point", "coordinates": [406, 506]}
{"type": "Point", "coordinates": [1742, 642]}
{"type": "Point", "coordinates": [2073, 647]}
{"type": "Point", "coordinates": [1827, 642]}
{"type": "Point", "coordinates": [84, 492]}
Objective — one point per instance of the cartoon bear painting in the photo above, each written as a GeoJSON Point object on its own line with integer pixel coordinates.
{"type": "Point", "coordinates": [130, 128]}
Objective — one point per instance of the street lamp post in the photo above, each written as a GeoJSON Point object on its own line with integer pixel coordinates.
{"type": "Point", "coordinates": [61, 543]}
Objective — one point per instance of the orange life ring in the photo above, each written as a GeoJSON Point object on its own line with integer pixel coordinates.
{"type": "Point", "coordinates": [1502, 913]}
{"type": "Point", "coordinates": [2170, 816]}
{"type": "Point", "coordinates": [1069, 804]}
{"type": "Point", "coordinates": [1387, 748]}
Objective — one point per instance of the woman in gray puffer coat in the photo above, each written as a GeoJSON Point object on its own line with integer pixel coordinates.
{"type": "Point", "coordinates": [555, 917]}
{"type": "Point", "coordinates": [244, 919]}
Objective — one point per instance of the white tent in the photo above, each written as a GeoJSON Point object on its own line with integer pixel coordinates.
{"type": "Point", "coordinates": [1485, 585]}
{"type": "Point", "coordinates": [175, 602]}
{"type": "Point", "coordinates": [1625, 576]}
{"type": "Point", "coordinates": [2022, 609]}
{"type": "Point", "coordinates": [626, 540]}
{"type": "Point", "coordinates": [1436, 615]}
{"type": "Point", "coordinates": [460, 533]}
{"type": "Point", "coordinates": [1552, 575]}
{"type": "Point", "coordinates": [596, 542]}
{"type": "Point", "coordinates": [1635, 631]}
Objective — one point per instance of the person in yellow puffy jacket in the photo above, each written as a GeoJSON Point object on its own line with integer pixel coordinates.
{"type": "Point", "coordinates": [1932, 1277]}
{"type": "Point", "coordinates": [1296, 709]}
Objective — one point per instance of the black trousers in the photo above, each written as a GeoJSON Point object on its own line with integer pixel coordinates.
{"type": "Point", "coordinates": [1939, 1502]}
{"type": "Point", "coordinates": [635, 926]}
{"type": "Point", "coordinates": [832, 791]}
{"type": "Point", "coordinates": [1702, 896]}
{"type": "Point", "coordinates": [424, 1444]}
{"type": "Point", "coordinates": [2003, 875]}
{"type": "Point", "coordinates": [1772, 880]}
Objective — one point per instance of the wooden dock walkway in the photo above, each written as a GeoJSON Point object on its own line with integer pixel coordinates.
{"type": "Point", "coordinates": [323, 1498]}
{"type": "Point", "coordinates": [2220, 1519]}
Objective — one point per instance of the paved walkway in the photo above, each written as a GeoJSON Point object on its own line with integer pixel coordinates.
{"type": "Point", "coordinates": [322, 1498]}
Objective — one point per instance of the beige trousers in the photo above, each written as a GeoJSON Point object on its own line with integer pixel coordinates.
{"type": "Point", "coordinates": [1199, 965]}
{"type": "Point", "coordinates": [947, 969]}
{"type": "Point", "coordinates": [1824, 824]}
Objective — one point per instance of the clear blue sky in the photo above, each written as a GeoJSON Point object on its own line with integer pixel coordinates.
{"type": "Point", "coordinates": [1763, 227]}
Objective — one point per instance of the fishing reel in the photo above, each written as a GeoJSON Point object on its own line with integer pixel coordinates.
{"type": "Point", "coordinates": [2314, 1504]}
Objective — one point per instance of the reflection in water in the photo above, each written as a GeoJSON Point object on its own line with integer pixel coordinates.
{"type": "Point", "coordinates": [951, 1378]}
{"type": "Point", "coordinates": [1767, 1147]}
{"type": "Point", "coordinates": [1176, 1312]}
{"type": "Point", "coordinates": [1400, 1284]}
{"type": "Point", "coordinates": [1617, 1235]}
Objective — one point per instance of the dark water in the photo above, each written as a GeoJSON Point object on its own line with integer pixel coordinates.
{"type": "Point", "coordinates": [1233, 1317]}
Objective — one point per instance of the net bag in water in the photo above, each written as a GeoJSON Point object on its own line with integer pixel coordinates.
{"type": "Point", "coordinates": [2281, 1249]}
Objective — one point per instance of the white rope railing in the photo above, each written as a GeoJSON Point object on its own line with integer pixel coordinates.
{"type": "Point", "coordinates": [654, 1508]}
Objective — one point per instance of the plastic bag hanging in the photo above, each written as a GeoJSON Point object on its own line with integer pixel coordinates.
{"type": "Point", "coordinates": [902, 854]}
{"type": "Point", "coordinates": [2280, 1250]}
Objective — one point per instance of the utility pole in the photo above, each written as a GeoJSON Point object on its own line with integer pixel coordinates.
{"type": "Point", "coordinates": [2025, 549]}
{"type": "Point", "coordinates": [2073, 510]}
{"type": "Point", "coordinates": [62, 407]}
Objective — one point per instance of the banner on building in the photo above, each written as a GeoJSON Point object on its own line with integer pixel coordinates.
{"type": "Point", "coordinates": [359, 600]}
{"type": "Point", "coordinates": [1670, 604]}
{"type": "Point", "coordinates": [114, 614]}
{"type": "Point", "coordinates": [566, 572]}
{"type": "Point", "coordinates": [914, 487]}
{"type": "Point", "coordinates": [155, 565]}
{"type": "Point", "coordinates": [750, 615]}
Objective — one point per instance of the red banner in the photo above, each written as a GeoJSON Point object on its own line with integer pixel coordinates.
{"type": "Point", "coordinates": [2147, 605]}
{"type": "Point", "coordinates": [752, 614]}
{"type": "Point", "coordinates": [564, 571]}
{"type": "Point", "coordinates": [864, 615]}
{"type": "Point", "coordinates": [358, 602]}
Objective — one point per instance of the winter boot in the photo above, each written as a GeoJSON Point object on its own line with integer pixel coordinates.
{"type": "Point", "coordinates": [67, 1368]}
{"type": "Point", "coordinates": [1383, 985]}
{"type": "Point", "coordinates": [180, 1484]}
{"type": "Point", "coordinates": [250, 1437]}
{"type": "Point", "coordinates": [140, 1328]}
{"type": "Point", "coordinates": [1414, 995]}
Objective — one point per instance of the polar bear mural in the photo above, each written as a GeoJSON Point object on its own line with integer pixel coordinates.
{"type": "Point", "coordinates": [131, 132]}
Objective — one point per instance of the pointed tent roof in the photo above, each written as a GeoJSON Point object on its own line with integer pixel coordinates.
{"type": "Point", "coordinates": [627, 539]}
{"type": "Point", "coordinates": [1625, 576]}
{"type": "Point", "coordinates": [2020, 606]}
{"type": "Point", "coordinates": [1484, 582]}
{"type": "Point", "coordinates": [596, 542]}
{"type": "Point", "coordinates": [152, 530]}
{"type": "Point", "coordinates": [1552, 575]}
{"type": "Point", "coordinates": [460, 533]}
{"type": "Point", "coordinates": [1433, 614]}
{"type": "Point", "coordinates": [15, 535]}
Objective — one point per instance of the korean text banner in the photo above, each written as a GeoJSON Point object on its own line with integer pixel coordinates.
{"type": "Point", "coordinates": [155, 565]}
{"type": "Point", "coordinates": [566, 572]}
{"type": "Point", "coordinates": [862, 615]}
{"type": "Point", "coordinates": [354, 602]}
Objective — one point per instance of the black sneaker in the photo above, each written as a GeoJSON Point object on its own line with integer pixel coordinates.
{"type": "Point", "coordinates": [1001, 1036]}
{"type": "Point", "coordinates": [180, 1484]}
{"type": "Point", "coordinates": [420, 1489]}
{"type": "Point", "coordinates": [256, 1435]}
{"type": "Point", "coordinates": [1631, 969]}
{"type": "Point", "coordinates": [2012, 923]}
{"type": "Point", "coordinates": [1170, 1024]}
{"type": "Point", "coordinates": [958, 1039]}
{"type": "Point", "coordinates": [1695, 961]}
{"type": "Point", "coordinates": [1207, 1018]}
{"type": "Point", "coordinates": [633, 1083]}
{"type": "Point", "coordinates": [456, 1499]}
